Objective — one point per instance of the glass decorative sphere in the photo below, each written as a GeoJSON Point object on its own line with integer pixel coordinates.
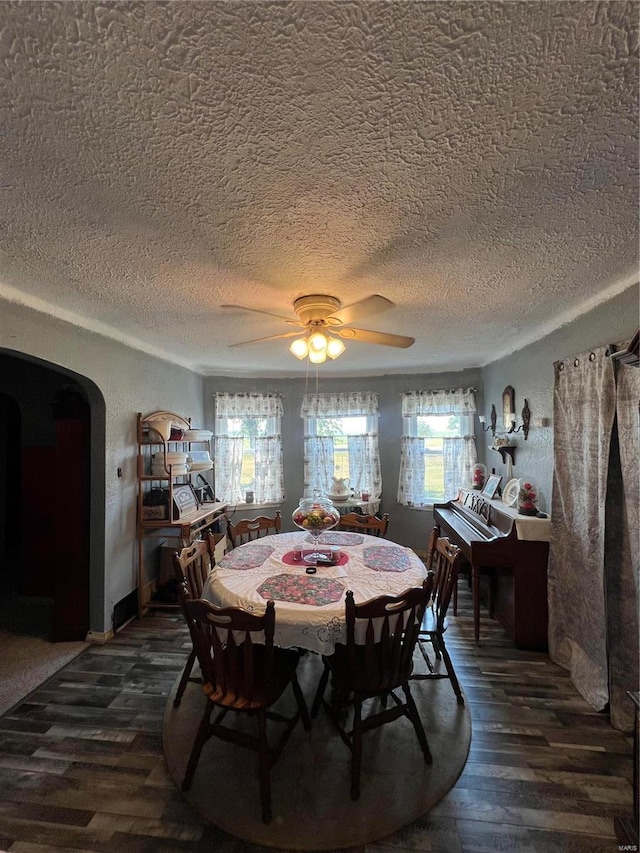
{"type": "Point", "coordinates": [315, 515]}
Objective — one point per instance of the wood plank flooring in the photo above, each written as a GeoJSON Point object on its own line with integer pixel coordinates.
{"type": "Point", "coordinates": [82, 769]}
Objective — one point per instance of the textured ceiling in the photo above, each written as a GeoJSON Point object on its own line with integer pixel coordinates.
{"type": "Point", "coordinates": [475, 163]}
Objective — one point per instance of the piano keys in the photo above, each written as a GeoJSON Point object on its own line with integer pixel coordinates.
{"type": "Point", "coordinates": [515, 549]}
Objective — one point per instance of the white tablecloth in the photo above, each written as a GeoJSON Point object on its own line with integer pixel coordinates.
{"type": "Point", "coordinates": [317, 627]}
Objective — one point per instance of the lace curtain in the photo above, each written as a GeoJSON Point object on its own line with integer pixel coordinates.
{"type": "Point", "coordinates": [268, 486]}
{"type": "Point", "coordinates": [450, 401]}
{"type": "Point", "coordinates": [228, 467]}
{"type": "Point", "coordinates": [412, 471]}
{"type": "Point", "coordinates": [594, 547]}
{"type": "Point", "coordinates": [459, 453]}
{"type": "Point", "coordinates": [269, 469]}
{"type": "Point", "coordinates": [364, 465]}
{"type": "Point", "coordinates": [318, 463]}
{"type": "Point", "coordinates": [339, 405]}
{"type": "Point", "coordinates": [248, 405]}
{"type": "Point", "coordinates": [364, 457]}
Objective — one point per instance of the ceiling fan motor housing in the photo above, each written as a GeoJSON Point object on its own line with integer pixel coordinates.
{"type": "Point", "coordinates": [316, 308]}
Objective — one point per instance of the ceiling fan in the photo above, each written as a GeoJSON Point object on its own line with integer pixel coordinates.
{"type": "Point", "coordinates": [322, 317]}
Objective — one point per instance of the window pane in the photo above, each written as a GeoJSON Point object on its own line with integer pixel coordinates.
{"type": "Point", "coordinates": [355, 425]}
{"type": "Point", "coordinates": [339, 428]}
{"type": "Point", "coordinates": [434, 470]}
{"type": "Point", "coordinates": [439, 425]}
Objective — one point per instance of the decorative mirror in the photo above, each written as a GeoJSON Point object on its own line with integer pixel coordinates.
{"type": "Point", "coordinates": [508, 407]}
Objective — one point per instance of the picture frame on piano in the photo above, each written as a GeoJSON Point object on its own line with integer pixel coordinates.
{"type": "Point", "coordinates": [491, 486]}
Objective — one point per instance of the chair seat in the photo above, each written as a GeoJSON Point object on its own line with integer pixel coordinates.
{"type": "Point", "coordinates": [262, 694]}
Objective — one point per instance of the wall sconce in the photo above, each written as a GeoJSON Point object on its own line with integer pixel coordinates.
{"type": "Point", "coordinates": [526, 420]}
{"type": "Point", "coordinates": [493, 422]}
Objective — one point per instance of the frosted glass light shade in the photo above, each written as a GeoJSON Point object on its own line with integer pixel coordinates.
{"type": "Point", "coordinates": [317, 357]}
{"type": "Point", "coordinates": [317, 343]}
{"type": "Point", "coordinates": [299, 348]}
{"type": "Point", "coordinates": [335, 347]}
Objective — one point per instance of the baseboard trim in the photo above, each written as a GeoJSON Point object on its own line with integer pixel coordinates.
{"type": "Point", "coordinates": [99, 637]}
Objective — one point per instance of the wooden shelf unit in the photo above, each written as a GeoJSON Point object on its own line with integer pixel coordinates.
{"type": "Point", "coordinates": [173, 524]}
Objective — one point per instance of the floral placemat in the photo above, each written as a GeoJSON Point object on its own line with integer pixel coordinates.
{"type": "Point", "coordinates": [247, 557]}
{"type": "Point", "coordinates": [386, 558]}
{"type": "Point", "coordinates": [303, 589]}
{"type": "Point", "coordinates": [338, 539]}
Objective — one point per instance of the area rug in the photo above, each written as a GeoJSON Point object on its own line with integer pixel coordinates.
{"type": "Point", "coordinates": [312, 809]}
{"type": "Point", "coordinates": [27, 662]}
{"type": "Point", "coordinates": [27, 658]}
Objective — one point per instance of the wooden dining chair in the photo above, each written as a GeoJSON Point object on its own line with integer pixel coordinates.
{"type": "Point", "coordinates": [247, 529]}
{"type": "Point", "coordinates": [486, 572]}
{"type": "Point", "coordinates": [243, 672]}
{"type": "Point", "coordinates": [376, 661]}
{"type": "Point", "coordinates": [192, 566]}
{"type": "Point", "coordinates": [445, 560]}
{"type": "Point", "coordinates": [372, 525]}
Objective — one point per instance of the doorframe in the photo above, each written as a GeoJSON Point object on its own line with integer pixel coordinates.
{"type": "Point", "coordinates": [97, 481]}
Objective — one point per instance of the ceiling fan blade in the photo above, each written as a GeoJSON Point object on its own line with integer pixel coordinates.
{"type": "Point", "coordinates": [367, 337]}
{"type": "Point", "coordinates": [269, 338]}
{"type": "Point", "coordinates": [258, 311]}
{"type": "Point", "coordinates": [359, 310]}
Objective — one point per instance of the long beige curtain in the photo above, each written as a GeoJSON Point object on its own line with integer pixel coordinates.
{"type": "Point", "coordinates": [595, 530]}
{"type": "Point", "coordinates": [584, 409]}
{"type": "Point", "coordinates": [622, 560]}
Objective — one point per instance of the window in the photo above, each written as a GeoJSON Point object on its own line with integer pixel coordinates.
{"type": "Point", "coordinates": [248, 448]}
{"type": "Point", "coordinates": [438, 447]}
{"type": "Point", "coordinates": [341, 440]}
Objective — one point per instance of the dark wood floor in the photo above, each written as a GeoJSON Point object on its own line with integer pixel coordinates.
{"type": "Point", "coordinates": [82, 769]}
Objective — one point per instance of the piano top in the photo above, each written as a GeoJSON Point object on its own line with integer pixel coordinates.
{"type": "Point", "coordinates": [478, 519]}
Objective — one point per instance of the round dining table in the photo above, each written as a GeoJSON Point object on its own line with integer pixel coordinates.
{"type": "Point", "coordinates": [310, 608]}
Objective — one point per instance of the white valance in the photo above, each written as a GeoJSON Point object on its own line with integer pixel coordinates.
{"type": "Point", "coordinates": [248, 405]}
{"type": "Point", "coordinates": [448, 401]}
{"type": "Point", "coordinates": [340, 404]}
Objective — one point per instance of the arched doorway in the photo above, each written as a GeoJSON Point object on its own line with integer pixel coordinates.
{"type": "Point", "coordinates": [52, 469]}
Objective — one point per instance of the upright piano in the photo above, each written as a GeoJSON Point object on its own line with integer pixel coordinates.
{"type": "Point", "coordinates": [516, 549]}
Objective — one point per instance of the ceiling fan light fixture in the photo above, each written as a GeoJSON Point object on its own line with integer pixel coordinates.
{"type": "Point", "coordinates": [299, 348]}
{"type": "Point", "coordinates": [317, 343]}
{"type": "Point", "coordinates": [317, 356]}
{"type": "Point", "coordinates": [335, 347]}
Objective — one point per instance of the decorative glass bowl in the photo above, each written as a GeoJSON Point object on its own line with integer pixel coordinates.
{"type": "Point", "coordinates": [315, 515]}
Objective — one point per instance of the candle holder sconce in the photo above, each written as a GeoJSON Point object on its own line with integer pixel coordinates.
{"type": "Point", "coordinates": [526, 420]}
{"type": "Point", "coordinates": [492, 423]}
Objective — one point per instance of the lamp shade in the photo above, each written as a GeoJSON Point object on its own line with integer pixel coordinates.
{"type": "Point", "coordinates": [335, 347]}
{"type": "Point", "coordinates": [317, 342]}
{"type": "Point", "coordinates": [317, 356]}
{"type": "Point", "coordinates": [299, 348]}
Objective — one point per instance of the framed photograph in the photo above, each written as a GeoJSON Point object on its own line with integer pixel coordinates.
{"type": "Point", "coordinates": [184, 500]}
{"type": "Point", "coordinates": [493, 481]}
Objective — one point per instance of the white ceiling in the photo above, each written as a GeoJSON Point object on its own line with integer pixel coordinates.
{"type": "Point", "coordinates": [475, 163]}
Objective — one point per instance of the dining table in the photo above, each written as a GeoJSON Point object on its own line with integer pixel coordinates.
{"type": "Point", "coordinates": [310, 608]}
